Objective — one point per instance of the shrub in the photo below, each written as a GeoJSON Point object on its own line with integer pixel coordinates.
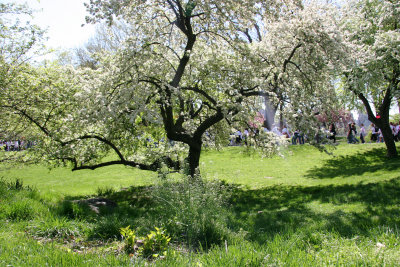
{"type": "Point", "coordinates": [18, 202]}
{"type": "Point", "coordinates": [153, 245]}
{"type": "Point", "coordinates": [193, 211]}
{"type": "Point", "coordinates": [74, 210]}
{"type": "Point", "coordinates": [129, 237]}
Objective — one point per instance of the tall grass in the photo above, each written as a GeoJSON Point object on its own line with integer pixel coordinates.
{"type": "Point", "coordinates": [193, 211]}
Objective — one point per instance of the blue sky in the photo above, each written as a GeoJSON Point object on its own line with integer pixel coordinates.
{"type": "Point", "coordinates": [62, 19]}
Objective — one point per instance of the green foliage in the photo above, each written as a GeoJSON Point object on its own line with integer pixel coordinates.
{"type": "Point", "coordinates": [108, 227]}
{"type": "Point", "coordinates": [395, 118]}
{"type": "Point", "coordinates": [129, 237]}
{"type": "Point", "coordinates": [317, 210]}
{"type": "Point", "coordinates": [155, 244]}
{"type": "Point", "coordinates": [19, 210]}
{"type": "Point", "coordinates": [74, 210]}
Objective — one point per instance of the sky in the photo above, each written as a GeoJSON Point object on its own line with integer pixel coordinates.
{"type": "Point", "coordinates": [62, 19]}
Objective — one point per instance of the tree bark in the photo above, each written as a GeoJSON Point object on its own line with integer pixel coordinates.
{"type": "Point", "coordinates": [269, 114]}
{"type": "Point", "coordinates": [193, 160]}
{"type": "Point", "coordinates": [382, 122]}
{"type": "Point", "coordinates": [388, 139]}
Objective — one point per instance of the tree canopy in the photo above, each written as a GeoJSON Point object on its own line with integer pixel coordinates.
{"type": "Point", "coordinates": [183, 70]}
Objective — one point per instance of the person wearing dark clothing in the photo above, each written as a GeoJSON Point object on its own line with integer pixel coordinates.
{"type": "Point", "coordinates": [351, 134]}
{"type": "Point", "coordinates": [332, 131]}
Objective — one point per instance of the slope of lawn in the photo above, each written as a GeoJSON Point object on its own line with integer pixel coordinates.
{"type": "Point", "coordinates": [304, 209]}
{"type": "Point", "coordinates": [300, 165]}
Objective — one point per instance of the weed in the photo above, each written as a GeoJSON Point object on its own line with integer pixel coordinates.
{"type": "Point", "coordinates": [154, 244]}
{"type": "Point", "coordinates": [193, 211]}
{"type": "Point", "coordinates": [57, 227]}
{"type": "Point", "coordinates": [105, 190]}
{"type": "Point", "coordinates": [129, 237]}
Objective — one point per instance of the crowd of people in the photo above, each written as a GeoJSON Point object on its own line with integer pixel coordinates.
{"type": "Point", "coordinates": [15, 145]}
{"type": "Point", "coordinates": [353, 135]}
{"type": "Point", "coordinates": [239, 137]}
{"type": "Point", "coordinates": [376, 133]}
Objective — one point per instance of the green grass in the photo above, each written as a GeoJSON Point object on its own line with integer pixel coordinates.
{"type": "Point", "coordinates": [306, 209]}
{"type": "Point", "coordinates": [301, 165]}
{"type": "Point", "coordinates": [63, 181]}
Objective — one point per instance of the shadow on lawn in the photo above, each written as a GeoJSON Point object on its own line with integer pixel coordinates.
{"type": "Point", "coordinates": [343, 166]}
{"type": "Point", "coordinates": [267, 212]}
{"type": "Point", "coordinates": [346, 210]}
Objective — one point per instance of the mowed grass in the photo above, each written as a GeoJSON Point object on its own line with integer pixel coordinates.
{"type": "Point", "coordinates": [300, 165]}
{"type": "Point", "coordinates": [304, 209]}
{"type": "Point", "coordinates": [63, 181]}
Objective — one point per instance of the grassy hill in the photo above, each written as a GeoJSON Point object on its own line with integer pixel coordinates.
{"type": "Point", "coordinates": [306, 208]}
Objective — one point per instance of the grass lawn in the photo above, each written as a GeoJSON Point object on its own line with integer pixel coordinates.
{"type": "Point", "coordinates": [304, 209]}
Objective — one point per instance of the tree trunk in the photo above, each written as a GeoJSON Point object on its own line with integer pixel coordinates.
{"type": "Point", "coordinates": [269, 114]}
{"type": "Point", "coordinates": [388, 138]}
{"type": "Point", "coordinates": [382, 122]}
{"type": "Point", "coordinates": [193, 160]}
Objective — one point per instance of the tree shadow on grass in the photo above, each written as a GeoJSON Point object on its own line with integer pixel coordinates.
{"type": "Point", "coordinates": [347, 210]}
{"type": "Point", "coordinates": [344, 166]}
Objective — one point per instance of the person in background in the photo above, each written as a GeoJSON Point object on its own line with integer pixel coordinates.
{"type": "Point", "coordinates": [238, 137]}
{"type": "Point", "coordinates": [285, 131]}
{"type": "Point", "coordinates": [246, 134]}
{"type": "Point", "coordinates": [393, 128]}
{"type": "Point", "coordinates": [295, 137]}
{"type": "Point", "coordinates": [351, 134]}
{"type": "Point", "coordinates": [374, 133]}
{"type": "Point", "coordinates": [362, 133]}
{"type": "Point", "coordinates": [332, 131]}
{"type": "Point", "coordinates": [380, 136]}
{"type": "Point", "coordinates": [397, 139]}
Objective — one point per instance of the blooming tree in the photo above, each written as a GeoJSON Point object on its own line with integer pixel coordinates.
{"type": "Point", "coordinates": [295, 57]}
{"type": "Point", "coordinates": [372, 36]}
{"type": "Point", "coordinates": [20, 42]}
{"type": "Point", "coordinates": [182, 69]}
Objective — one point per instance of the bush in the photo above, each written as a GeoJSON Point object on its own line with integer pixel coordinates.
{"type": "Point", "coordinates": [193, 211]}
{"type": "Point", "coordinates": [129, 237]}
{"type": "Point", "coordinates": [74, 210]}
{"type": "Point", "coordinates": [153, 245]}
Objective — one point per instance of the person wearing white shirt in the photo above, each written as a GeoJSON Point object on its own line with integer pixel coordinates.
{"type": "Point", "coordinates": [374, 133]}
{"type": "Point", "coordinates": [362, 133]}
{"type": "Point", "coordinates": [380, 136]}
{"type": "Point", "coordinates": [285, 132]}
